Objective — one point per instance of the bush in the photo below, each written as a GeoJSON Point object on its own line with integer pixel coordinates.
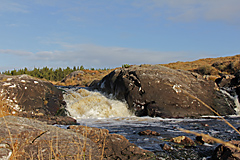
{"type": "Point", "coordinates": [207, 70]}
{"type": "Point", "coordinates": [126, 65]}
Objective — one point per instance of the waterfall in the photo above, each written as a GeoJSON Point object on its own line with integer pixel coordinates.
{"type": "Point", "coordinates": [234, 98]}
{"type": "Point", "coordinates": [89, 104]}
{"type": "Point", "coordinates": [236, 101]}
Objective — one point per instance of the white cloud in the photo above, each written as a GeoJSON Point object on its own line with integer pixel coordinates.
{"type": "Point", "coordinates": [91, 55]}
{"type": "Point", "coordinates": [15, 52]}
{"type": "Point", "coordinates": [187, 10]}
{"type": "Point", "coordinates": [8, 6]}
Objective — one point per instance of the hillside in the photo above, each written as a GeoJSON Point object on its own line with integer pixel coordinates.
{"type": "Point", "coordinates": [210, 66]}
{"type": "Point", "coordinates": [82, 77]}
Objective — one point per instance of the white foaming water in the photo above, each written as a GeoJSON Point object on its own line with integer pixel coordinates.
{"type": "Point", "coordinates": [88, 104]}
{"type": "Point", "coordinates": [235, 99]}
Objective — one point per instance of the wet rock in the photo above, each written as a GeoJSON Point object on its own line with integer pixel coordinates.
{"type": "Point", "coordinates": [235, 84]}
{"type": "Point", "coordinates": [223, 82]}
{"type": "Point", "coordinates": [166, 147]}
{"type": "Point", "coordinates": [23, 138]}
{"type": "Point", "coordinates": [226, 153]}
{"type": "Point", "coordinates": [183, 140]}
{"type": "Point", "coordinates": [25, 94]}
{"type": "Point", "coordinates": [113, 146]}
{"type": "Point", "coordinates": [203, 140]}
{"type": "Point", "coordinates": [159, 91]}
{"type": "Point", "coordinates": [236, 80]}
{"type": "Point", "coordinates": [149, 133]}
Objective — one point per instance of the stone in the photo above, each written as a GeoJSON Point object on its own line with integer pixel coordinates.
{"type": "Point", "coordinates": [113, 146]}
{"type": "Point", "coordinates": [158, 91]}
{"type": "Point", "coordinates": [223, 152]}
{"type": "Point", "coordinates": [149, 133]}
{"type": "Point", "coordinates": [183, 140]}
{"type": "Point", "coordinates": [32, 139]}
{"type": "Point", "coordinates": [166, 147]}
{"type": "Point", "coordinates": [203, 140]}
{"type": "Point", "coordinates": [74, 75]}
{"type": "Point", "coordinates": [25, 94]}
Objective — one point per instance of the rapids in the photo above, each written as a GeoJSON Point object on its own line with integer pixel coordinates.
{"type": "Point", "coordinates": [94, 109]}
{"type": "Point", "coordinates": [89, 104]}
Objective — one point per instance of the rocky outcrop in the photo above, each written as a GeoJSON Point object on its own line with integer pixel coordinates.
{"type": "Point", "coordinates": [155, 90]}
{"type": "Point", "coordinates": [24, 94]}
{"type": "Point", "coordinates": [22, 138]}
{"type": "Point", "coordinates": [230, 85]}
{"type": "Point", "coordinates": [74, 75]}
{"type": "Point", "coordinates": [113, 146]}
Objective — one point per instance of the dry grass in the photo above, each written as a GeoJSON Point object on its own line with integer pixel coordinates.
{"type": "Point", "coordinates": [4, 109]}
{"type": "Point", "coordinates": [211, 138]}
{"type": "Point", "coordinates": [19, 142]}
{"type": "Point", "coordinates": [211, 66]}
{"type": "Point", "coordinates": [52, 149]}
{"type": "Point", "coordinates": [84, 79]}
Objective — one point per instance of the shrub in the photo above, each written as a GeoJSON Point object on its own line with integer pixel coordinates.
{"type": "Point", "coordinates": [126, 65]}
{"type": "Point", "coordinates": [207, 70]}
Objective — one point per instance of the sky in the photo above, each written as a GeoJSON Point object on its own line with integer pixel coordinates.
{"type": "Point", "coordinates": [110, 33]}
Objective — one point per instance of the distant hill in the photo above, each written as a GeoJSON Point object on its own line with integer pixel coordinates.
{"type": "Point", "coordinates": [210, 66]}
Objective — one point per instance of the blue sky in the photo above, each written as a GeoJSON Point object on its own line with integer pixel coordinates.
{"type": "Point", "coordinates": [109, 33]}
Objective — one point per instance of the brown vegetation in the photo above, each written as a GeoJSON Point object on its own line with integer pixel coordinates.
{"type": "Point", "coordinates": [85, 78]}
{"type": "Point", "coordinates": [210, 66]}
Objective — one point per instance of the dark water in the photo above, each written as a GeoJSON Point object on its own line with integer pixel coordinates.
{"type": "Point", "coordinates": [169, 128]}
{"type": "Point", "coordinates": [96, 110]}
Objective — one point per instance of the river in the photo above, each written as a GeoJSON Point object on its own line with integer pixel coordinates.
{"type": "Point", "coordinates": [94, 109]}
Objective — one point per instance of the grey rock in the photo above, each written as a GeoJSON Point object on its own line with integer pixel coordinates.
{"type": "Point", "coordinates": [24, 138]}
{"type": "Point", "coordinates": [26, 94]}
{"type": "Point", "coordinates": [74, 74]}
{"type": "Point", "coordinates": [159, 91]}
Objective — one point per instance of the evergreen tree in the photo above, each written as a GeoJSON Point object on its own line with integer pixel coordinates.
{"type": "Point", "coordinates": [81, 68]}
{"type": "Point", "coordinates": [74, 68]}
{"type": "Point", "coordinates": [45, 72]}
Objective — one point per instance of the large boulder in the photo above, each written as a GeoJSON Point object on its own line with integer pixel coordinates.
{"type": "Point", "coordinates": [113, 146]}
{"type": "Point", "coordinates": [22, 138]}
{"type": "Point", "coordinates": [155, 90]}
{"type": "Point", "coordinates": [25, 94]}
{"type": "Point", "coordinates": [235, 84]}
{"type": "Point", "coordinates": [74, 75]}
